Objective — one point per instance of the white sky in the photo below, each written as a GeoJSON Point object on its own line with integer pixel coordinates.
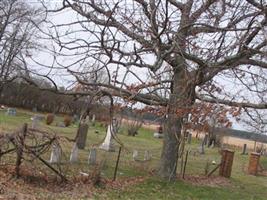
{"type": "Point", "coordinates": [63, 78]}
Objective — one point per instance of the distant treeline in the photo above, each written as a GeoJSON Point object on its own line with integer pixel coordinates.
{"type": "Point", "coordinates": [23, 95]}
{"type": "Point", "coordinates": [19, 94]}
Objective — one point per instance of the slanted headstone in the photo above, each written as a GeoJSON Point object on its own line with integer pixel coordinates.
{"type": "Point", "coordinates": [55, 154]}
{"type": "Point", "coordinates": [92, 157]}
{"type": "Point", "coordinates": [108, 143]}
{"type": "Point", "coordinates": [74, 153]}
{"type": "Point", "coordinates": [147, 156]}
{"type": "Point", "coordinates": [11, 111]}
{"type": "Point", "coordinates": [135, 154]}
{"type": "Point", "coordinates": [82, 135]}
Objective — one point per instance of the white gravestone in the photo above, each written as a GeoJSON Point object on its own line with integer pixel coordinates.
{"type": "Point", "coordinates": [135, 154]}
{"type": "Point", "coordinates": [35, 121]}
{"type": "Point", "coordinates": [92, 157]}
{"type": "Point", "coordinates": [93, 120]}
{"type": "Point", "coordinates": [74, 153]}
{"type": "Point", "coordinates": [55, 154]}
{"type": "Point", "coordinates": [147, 156]}
{"type": "Point", "coordinates": [108, 143]}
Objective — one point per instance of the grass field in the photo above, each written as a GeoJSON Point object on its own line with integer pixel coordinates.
{"type": "Point", "coordinates": [135, 179]}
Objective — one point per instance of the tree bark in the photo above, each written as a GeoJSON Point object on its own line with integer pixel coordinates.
{"type": "Point", "coordinates": [181, 97]}
{"type": "Point", "coordinates": [169, 154]}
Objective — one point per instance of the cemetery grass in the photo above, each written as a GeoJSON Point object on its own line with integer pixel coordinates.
{"type": "Point", "coordinates": [135, 180]}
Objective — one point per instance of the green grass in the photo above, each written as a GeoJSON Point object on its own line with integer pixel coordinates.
{"type": "Point", "coordinates": [242, 186]}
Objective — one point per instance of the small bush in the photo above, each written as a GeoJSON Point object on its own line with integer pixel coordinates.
{"type": "Point", "coordinates": [49, 118]}
{"type": "Point", "coordinates": [67, 120]}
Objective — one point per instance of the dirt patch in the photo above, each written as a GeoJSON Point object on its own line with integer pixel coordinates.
{"type": "Point", "coordinates": [213, 181]}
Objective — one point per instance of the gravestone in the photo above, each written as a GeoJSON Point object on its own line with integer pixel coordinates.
{"type": "Point", "coordinates": [11, 111]}
{"type": "Point", "coordinates": [75, 118]}
{"type": "Point", "coordinates": [93, 120]}
{"type": "Point", "coordinates": [159, 133]}
{"type": "Point", "coordinates": [92, 157]}
{"type": "Point", "coordinates": [189, 138]}
{"type": "Point", "coordinates": [226, 163]}
{"type": "Point", "coordinates": [253, 165]}
{"type": "Point", "coordinates": [35, 121]}
{"type": "Point", "coordinates": [244, 152]}
{"type": "Point", "coordinates": [108, 144]}
{"type": "Point", "coordinates": [61, 124]}
{"type": "Point", "coordinates": [147, 156]}
{"type": "Point", "coordinates": [82, 135]}
{"type": "Point", "coordinates": [201, 149]}
{"type": "Point", "coordinates": [55, 154]}
{"type": "Point", "coordinates": [74, 153]}
{"type": "Point", "coordinates": [135, 154]}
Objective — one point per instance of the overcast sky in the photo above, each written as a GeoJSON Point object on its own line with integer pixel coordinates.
{"type": "Point", "coordinates": [63, 78]}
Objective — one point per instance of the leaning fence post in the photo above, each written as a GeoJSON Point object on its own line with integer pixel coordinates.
{"type": "Point", "coordinates": [117, 163]}
{"type": "Point", "coordinates": [185, 162]}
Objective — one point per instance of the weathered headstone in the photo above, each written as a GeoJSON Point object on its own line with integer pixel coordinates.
{"type": "Point", "coordinates": [147, 156]}
{"type": "Point", "coordinates": [159, 133]}
{"type": "Point", "coordinates": [11, 111]}
{"type": "Point", "coordinates": [226, 163]}
{"type": "Point", "coordinates": [61, 124]}
{"type": "Point", "coordinates": [74, 153]}
{"type": "Point", "coordinates": [135, 154]}
{"type": "Point", "coordinates": [189, 138]}
{"type": "Point", "coordinates": [75, 118]}
{"type": "Point", "coordinates": [35, 121]}
{"type": "Point", "coordinates": [93, 120]}
{"type": "Point", "coordinates": [244, 152]}
{"type": "Point", "coordinates": [82, 135]}
{"type": "Point", "coordinates": [55, 154]}
{"type": "Point", "coordinates": [201, 149]}
{"type": "Point", "coordinates": [108, 143]}
{"type": "Point", "coordinates": [92, 157]}
{"type": "Point", "coordinates": [253, 165]}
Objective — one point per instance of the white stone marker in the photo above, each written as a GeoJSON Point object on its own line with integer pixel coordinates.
{"type": "Point", "coordinates": [108, 144]}
{"type": "Point", "coordinates": [55, 154]}
{"type": "Point", "coordinates": [135, 154]}
{"type": "Point", "coordinates": [92, 157]}
{"type": "Point", "coordinates": [147, 156]}
{"type": "Point", "coordinates": [74, 153]}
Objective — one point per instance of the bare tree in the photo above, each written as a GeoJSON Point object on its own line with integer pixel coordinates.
{"type": "Point", "coordinates": [168, 53]}
{"type": "Point", "coordinates": [18, 31]}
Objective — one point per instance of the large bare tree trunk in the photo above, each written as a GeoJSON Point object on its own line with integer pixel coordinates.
{"type": "Point", "coordinates": [169, 154]}
{"type": "Point", "coordinates": [181, 97]}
